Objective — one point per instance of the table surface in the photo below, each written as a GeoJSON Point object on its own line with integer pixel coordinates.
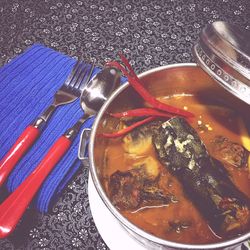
{"type": "Point", "coordinates": [151, 33]}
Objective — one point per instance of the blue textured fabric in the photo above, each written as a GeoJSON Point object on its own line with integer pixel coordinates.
{"type": "Point", "coordinates": [27, 86]}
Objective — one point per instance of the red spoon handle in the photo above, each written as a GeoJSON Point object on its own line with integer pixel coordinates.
{"type": "Point", "coordinates": [23, 143]}
{"type": "Point", "coordinates": [15, 205]}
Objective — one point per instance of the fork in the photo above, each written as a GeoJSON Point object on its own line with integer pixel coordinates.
{"type": "Point", "coordinates": [68, 92]}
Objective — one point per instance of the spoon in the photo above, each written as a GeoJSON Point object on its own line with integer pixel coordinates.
{"type": "Point", "coordinates": [92, 98]}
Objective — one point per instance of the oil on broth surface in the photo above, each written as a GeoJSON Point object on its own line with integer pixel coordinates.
{"type": "Point", "coordinates": [210, 121]}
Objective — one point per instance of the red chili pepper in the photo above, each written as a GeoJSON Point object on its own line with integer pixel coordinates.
{"type": "Point", "coordinates": [127, 129]}
{"type": "Point", "coordinates": [138, 86]}
{"type": "Point", "coordinates": [141, 112]}
{"type": "Point", "coordinates": [127, 64]}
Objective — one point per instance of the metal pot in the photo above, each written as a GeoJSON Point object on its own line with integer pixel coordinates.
{"type": "Point", "coordinates": [164, 81]}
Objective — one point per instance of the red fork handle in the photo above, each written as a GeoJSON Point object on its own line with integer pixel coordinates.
{"type": "Point", "coordinates": [12, 209]}
{"type": "Point", "coordinates": [23, 143]}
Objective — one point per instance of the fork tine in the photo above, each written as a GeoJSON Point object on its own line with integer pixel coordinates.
{"type": "Point", "coordinates": [84, 78]}
{"type": "Point", "coordinates": [82, 70]}
{"type": "Point", "coordinates": [72, 74]}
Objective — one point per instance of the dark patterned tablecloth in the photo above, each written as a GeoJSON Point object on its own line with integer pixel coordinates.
{"type": "Point", "coordinates": [151, 33]}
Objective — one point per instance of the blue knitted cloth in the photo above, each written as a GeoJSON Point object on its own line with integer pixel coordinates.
{"type": "Point", "coordinates": [27, 86]}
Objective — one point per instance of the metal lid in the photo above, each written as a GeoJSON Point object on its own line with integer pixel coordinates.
{"type": "Point", "coordinates": [223, 51]}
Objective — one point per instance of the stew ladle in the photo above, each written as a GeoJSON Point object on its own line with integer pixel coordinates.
{"type": "Point", "coordinates": [92, 98]}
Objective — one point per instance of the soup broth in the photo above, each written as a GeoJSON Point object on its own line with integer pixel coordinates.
{"type": "Point", "coordinates": [180, 221]}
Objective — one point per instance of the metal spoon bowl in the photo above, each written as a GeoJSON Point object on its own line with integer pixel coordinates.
{"type": "Point", "coordinates": [99, 89]}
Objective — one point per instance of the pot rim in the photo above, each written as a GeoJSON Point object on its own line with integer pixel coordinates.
{"type": "Point", "coordinates": [125, 222]}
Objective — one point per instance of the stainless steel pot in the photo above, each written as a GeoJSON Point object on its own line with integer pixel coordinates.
{"type": "Point", "coordinates": [161, 81]}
